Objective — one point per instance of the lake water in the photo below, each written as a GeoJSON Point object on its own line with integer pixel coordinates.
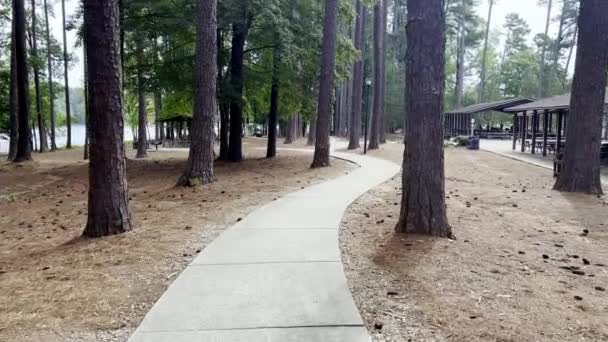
{"type": "Point", "coordinates": [78, 132]}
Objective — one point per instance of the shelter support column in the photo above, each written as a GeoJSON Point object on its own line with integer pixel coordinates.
{"type": "Point", "coordinates": [558, 143]}
{"type": "Point", "coordinates": [545, 131]}
{"type": "Point", "coordinates": [524, 118]}
{"type": "Point", "coordinates": [534, 131]}
{"type": "Point", "coordinates": [514, 128]}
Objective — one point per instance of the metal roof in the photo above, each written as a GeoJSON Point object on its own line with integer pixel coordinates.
{"type": "Point", "coordinates": [550, 104]}
{"type": "Point", "coordinates": [498, 106]}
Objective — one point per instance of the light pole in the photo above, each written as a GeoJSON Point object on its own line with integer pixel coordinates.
{"type": "Point", "coordinates": [368, 84]}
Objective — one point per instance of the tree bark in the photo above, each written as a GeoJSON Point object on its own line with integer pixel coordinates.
{"type": "Point", "coordinates": [199, 169]}
{"type": "Point", "coordinates": [571, 50]}
{"type": "Point", "coordinates": [423, 208]}
{"type": "Point", "coordinates": [382, 132]}
{"type": "Point", "coordinates": [312, 132]}
{"type": "Point", "coordinates": [581, 169]}
{"type": "Point", "coordinates": [108, 193]}
{"type": "Point", "coordinates": [273, 114]}
{"type": "Point", "coordinates": [50, 78]}
{"type": "Point", "coordinates": [355, 116]}
{"type": "Point", "coordinates": [44, 146]}
{"type": "Point", "coordinates": [13, 102]}
{"type": "Point", "coordinates": [461, 51]}
{"type": "Point", "coordinates": [240, 30]}
{"type": "Point", "coordinates": [542, 79]}
{"type": "Point", "coordinates": [222, 99]}
{"type": "Point", "coordinates": [24, 149]}
{"type": "Point", "coordinates": [68, 110]}
{"type": "Point", "coordinates": [328, 62]}
{"type": "Point", "coordinates": [86, 103]}
{"type": "Point", "coordinates": [292, 130]}
{"type": "Point", "coordinates": [484, 56]}
{"type": "Point", "coordinates": [374, 137]}
{"type": "Point", "coordinates": [142, 122]}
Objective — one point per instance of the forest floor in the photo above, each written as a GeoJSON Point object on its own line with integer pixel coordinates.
{"type": "Point", "coordinates": [57, 286]}
{"type": "Point", "coordinates": [528, 264]}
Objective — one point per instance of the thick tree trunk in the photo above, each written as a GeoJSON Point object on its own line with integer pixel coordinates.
{"type": "Point", "coordinates": [142, 119]}
{"type": "Point", "coordinates": [484, 56]}
{"type": "Point", "coordinates": [423, 208]}
{"type": "Point", "coordinates": [68, 109]}
{"type": "Point", "coordinates": [200, 162]}
{"type": "Point", "coordinates": [581, 170]}
{"type": "Point", "coordinates": [328, 62]}
{"type": "Point", "coordinates": [374, 137]}
{"type": "Point", "coordinates": [542, 78]}
{"type": "Point", "coordinates": [355, 114]}
{"type": "Point", "coordinates": [24, 148]}
{"type": "Point", "coordinates": [273, 115]}
{"type": "Point", "coordinates": [50, 78]}
{"type": "Point", "coordinates": [108, 193]}
{"type": "Point", "coordinates": [240, 29]}
{"type": "Point", "coordinates": [44, 146]}
{"type": "Point", "coordinates": [13, 102]}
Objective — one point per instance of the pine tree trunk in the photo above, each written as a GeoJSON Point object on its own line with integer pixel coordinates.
{"type": "Point", "coordinates": [200, 162]}
{"type": "Point", "coordinates": [461, 51]}
{"type": "Point", "coordinates": [290, 134]}
{"type": "Point", "coordinates": [312, 132]}
{"type": "Point", "coordinates": [13, 102]}
{"type": "Point", "coordinates": [24, 149]}
{"type": "Point", "coordinates": [423, 208]}
{"type": "Point", "coordinates": [542, 79]}
{"type": "Point", "coordinates": [567, 67]}
{"type": "Point", "coordinates": [382, 131]}
{"type": "Point", "coordinates": [50, 78]}
{"type": "Point", "coordinates": [157, 109]}
{"type": "Point", "coordinates": [68, 109]}
{"type": "Point", "coordinates": [355, 116]}
{"type": "Point", "coordinates": [142, 120]}
{"type": "Point", "coordinates": [328, 62]}
{"type": "Point", "coordinates": [240, 29]}
{"type": "Point", "coordinates": [482, 84]}
{"type": "Point", "coordinates": [222, 99]}
{"type": "Point", "coordinates": [108, 193]}
{"type": "Point", "coordinates": [86, 103]}
{"type": "Point", "coordinates": [157, 98]}
{"type": "Point", "coordinates": [374, 137]}
{"type": "Point", "coordinates": [44, 146]}
{"type": "Point", "coordinates": [581, 169]}
{"type": "Point", "coordinates": [273, 115]}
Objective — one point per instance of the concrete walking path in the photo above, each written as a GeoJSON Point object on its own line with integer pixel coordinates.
{"type": "Point", "coordinates": [505, 148]}
{"type": "Point", "coordinates": [276, 276]}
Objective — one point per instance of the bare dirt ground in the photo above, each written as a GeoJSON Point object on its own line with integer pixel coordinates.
{"type": "Point", "coordinates": [57, 286]}
{"type": "Point", "coordinates": [529, 263]}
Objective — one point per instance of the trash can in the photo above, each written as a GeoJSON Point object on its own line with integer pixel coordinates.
{"type": "Point", "coordinates": [473, 143]}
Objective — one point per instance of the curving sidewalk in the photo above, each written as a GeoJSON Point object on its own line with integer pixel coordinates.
{"type": "Point", "coordinates": [276, 276]}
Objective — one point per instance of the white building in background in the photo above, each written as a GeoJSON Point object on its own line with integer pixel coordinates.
{"type": "Point", "coordinates": [4, 142]}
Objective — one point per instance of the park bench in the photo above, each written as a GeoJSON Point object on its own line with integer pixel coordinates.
{"type": "Point", "coordinates": [156, 143]}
